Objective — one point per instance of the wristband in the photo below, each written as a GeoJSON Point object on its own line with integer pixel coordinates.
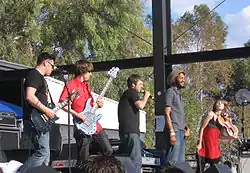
{"type": "Point", "coordinates": [171, 131]}
{"type": "Point", "coordinates": [172, 134]}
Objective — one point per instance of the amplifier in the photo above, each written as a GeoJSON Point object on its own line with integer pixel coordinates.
{"type": "Point", "coordinates": [7, 119]}
{"type": "Point", "coordinates": [9, 138]}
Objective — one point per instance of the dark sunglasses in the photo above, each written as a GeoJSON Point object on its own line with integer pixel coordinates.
{"type": "Point", "coordinates": [53, 66]}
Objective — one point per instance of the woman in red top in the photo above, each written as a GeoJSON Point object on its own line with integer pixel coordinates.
{"type": "Point", "coordinates": [211, 131]}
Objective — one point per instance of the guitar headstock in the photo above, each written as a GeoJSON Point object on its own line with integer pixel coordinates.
{"type": "Point", "coordinates": [113, 72]}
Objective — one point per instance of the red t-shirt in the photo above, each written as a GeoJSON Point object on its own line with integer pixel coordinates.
{"type": "Point", "coordinates": [79, 103]}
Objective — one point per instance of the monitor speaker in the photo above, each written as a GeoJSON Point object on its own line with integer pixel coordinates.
{"type": "Point", "coordinates": [178, 167]}
{"type": "Point", "coordinates": [9, 138]}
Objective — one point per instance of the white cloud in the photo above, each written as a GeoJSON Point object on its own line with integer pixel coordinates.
{"type": "Point", "coordinates": [238, 27]}
{"type": "Point", "coordinates": [238, 23]}
{"type": "Point", "coordinates": [181, 6]}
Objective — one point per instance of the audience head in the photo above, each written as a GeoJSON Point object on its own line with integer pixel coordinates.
{"type": "Point", "coordinates": [100, 164]}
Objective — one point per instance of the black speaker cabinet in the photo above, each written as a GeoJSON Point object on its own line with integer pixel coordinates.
{"type": "Point", "coordinates": [9, 138]}
{"type": "Point", "coordinates": [178, 167]}
{"type": "Point", "coordinates": [218, 168]}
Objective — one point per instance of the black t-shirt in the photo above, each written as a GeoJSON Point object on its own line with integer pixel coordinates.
{"type": "Point", "coordinates": [128, 113]}
{"type": "Point", "coordinates": [35, 80]}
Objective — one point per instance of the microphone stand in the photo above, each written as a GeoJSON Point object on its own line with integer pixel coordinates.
{"type": "Point", "coordinates": [244, 147]}
{"type": "Point", "coordinates": [244, 103]}
{"type": "Point", "coordinates": [242, 122]}
{"type": "Point", "coordinates": [69, 144]}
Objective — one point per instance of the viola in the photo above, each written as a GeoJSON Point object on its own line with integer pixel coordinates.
{"type": "Point", "coordinates": [226, 122]}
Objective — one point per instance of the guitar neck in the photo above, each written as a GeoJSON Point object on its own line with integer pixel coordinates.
{"type": "Point", "coordinates": [102, 94]}
{"type": "Point", "coordinates": [61, 105]}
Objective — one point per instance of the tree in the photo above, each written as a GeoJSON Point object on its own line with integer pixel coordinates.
{"type": "Point", "coordinates": [18, 30]}
{"type": "Point", "coordinates": [208, 33]}
{"type": "Point", "coordinates": [239, 80]}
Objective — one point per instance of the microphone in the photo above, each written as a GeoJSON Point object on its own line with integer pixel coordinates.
{"type": "Point", "coordinates": [59, 71]}
{"type": "Point", "coordinates": [143, 91]}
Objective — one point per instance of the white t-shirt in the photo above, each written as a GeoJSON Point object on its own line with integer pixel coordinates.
{"type": "Point", "coordinates": [11, 166]}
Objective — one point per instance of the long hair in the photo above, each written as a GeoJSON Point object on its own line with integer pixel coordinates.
{"type": "Point", "coordinates": [226, 107]}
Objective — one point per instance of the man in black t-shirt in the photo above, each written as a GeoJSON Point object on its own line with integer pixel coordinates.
{"type": "Point", "coordinates": [36, 95]}
{"type": "Point", "coordinates": [129, 120]}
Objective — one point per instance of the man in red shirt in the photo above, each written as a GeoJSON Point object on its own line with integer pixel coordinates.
{"type": "Point", "coordinates": [80, 83]}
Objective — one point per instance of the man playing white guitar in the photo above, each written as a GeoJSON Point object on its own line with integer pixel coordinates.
{"type": "Point", "coordinates": [80, 83]}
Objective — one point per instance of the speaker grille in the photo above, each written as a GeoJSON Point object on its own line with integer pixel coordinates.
{"type": "Point", "coordinates": [9, 139]}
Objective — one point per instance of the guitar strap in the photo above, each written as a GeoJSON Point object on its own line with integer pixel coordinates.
{"type": "Point", "coordinates": [51, 99]}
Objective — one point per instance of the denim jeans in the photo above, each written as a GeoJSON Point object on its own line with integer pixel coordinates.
{"type": "Point", "coordinates": [41, 155]}
{"type": "Point", "coordinates": [131, 145]}
{"type": "Point", "coordinates": [176, 153]}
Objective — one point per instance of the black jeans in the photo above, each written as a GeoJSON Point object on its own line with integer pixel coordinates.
{"type": "Point", "coordinates": [83, 143]}
{"type": "Point", "coordinates": [201, 162]}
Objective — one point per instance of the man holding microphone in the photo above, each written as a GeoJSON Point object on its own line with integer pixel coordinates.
{"type": "Point", "coordinates": [129, 119]}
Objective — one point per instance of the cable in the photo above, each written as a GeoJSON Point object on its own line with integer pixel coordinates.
{"type": "Point", "coordinates": [198, 21]}
{"type": "Point", "coordinates": [113, 21]}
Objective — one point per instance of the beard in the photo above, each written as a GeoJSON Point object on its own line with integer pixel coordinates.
{"type": "Point", "coordinates": [179, 86]}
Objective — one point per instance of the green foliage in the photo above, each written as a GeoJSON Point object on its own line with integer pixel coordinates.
{"type": "Point", "coordinates": [18, 32]}
{"type": "Point", "coordinates": [208, 33]}
{"type": "Point", "coordinates": [80, 28]}
{"type": "Point", "coordinates": [241, 79]}
{"type": "Point", "coordinates": [193, 112]}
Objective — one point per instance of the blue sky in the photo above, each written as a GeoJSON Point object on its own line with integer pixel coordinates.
{"type": "Point", "coordinates": [232, 6]}
{"type": "Point", "coordinates": [235, 13]}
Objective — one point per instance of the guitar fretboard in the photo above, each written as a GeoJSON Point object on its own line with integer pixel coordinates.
{"type": "Point", "coordinates": [61, 105]}
{"type": "Point", "coordinates": [65, 102]}
{"type": "Point", "coordinates": [102, 94]}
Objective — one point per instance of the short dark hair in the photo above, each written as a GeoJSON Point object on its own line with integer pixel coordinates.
{"type": "Point", "coordinates": [44, 56]}
{"type": "Point", "coordinates": [133, 79]}
{"type": "Point", "coordinates": [83, 66]}
{"type": "Point", "coordinates": [100, 164]}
